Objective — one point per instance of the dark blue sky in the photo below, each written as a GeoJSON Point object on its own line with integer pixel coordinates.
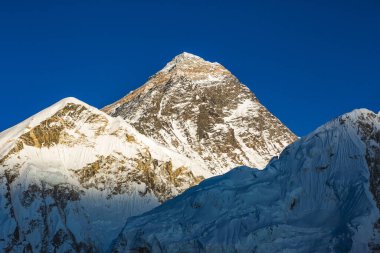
{"type": "Point", "coordinates": [307, 61]}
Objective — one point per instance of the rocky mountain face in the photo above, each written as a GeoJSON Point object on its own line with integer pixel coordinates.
{"type": "Point", "coordinates": [71, 175]}
{"type": "Point", "coordinates": [201, 110]}
{"type": "Point", "coordinates": [320, 195]}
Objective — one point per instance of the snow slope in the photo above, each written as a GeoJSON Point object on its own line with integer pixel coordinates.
{"type": "Point", "coordinates": [203, 111]}
{"type": "Point", "coordinates": [71, 175]}
{"type": "Point", "coordinates": [320, 195]}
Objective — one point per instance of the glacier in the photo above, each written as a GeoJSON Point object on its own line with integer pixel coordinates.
{"type": "Point", "coordinates": [319, 195]}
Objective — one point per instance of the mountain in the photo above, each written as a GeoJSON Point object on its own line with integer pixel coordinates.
{"type": "Point", "coordinates": [321, 195]}
{"type": "Point", "coordinates": [203, 111]}
{"type": "Point", "coordinates": [71, 175]}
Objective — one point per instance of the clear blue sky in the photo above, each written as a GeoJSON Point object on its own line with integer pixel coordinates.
{"type": "Point", "coordinates": [307, 61]}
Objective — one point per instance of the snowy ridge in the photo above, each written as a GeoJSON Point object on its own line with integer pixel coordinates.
{"type": "Point", "coordinates": [8, 136]}
{"type": "Point", "coordinates": [71, 175]}
{"type": "Point", "coordinates": [320, 195]}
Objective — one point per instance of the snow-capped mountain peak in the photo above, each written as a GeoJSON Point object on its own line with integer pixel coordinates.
{"type": "Point", "coordinates": [186, 61]}
{"type": "Point", "coordinates": [185, 56]}
{"type": "Point", "coordinates": [203, 111]}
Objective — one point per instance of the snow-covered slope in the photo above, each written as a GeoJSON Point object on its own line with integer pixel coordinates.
{"type": "Point", "coordinates": [321, 195]}
{"type": "Point", "coordinates": [201, 110]}
{"type": "Point", "coordinates": [71, 175]}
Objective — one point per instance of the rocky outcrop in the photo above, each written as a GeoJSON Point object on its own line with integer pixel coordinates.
{"type": "Point", "coordinates": [115, 173]}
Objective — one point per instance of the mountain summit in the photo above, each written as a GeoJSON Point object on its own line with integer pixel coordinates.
{"type": "Point", "coordinates": [185, 65]}
{"type": "Point", "coordinates": [203, 111]}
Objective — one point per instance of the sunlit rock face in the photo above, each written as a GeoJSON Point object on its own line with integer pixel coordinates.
{"type": "Point", "coordinates": [203, 111]}
{"type": "Point", "coordinates": [320, 195]}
